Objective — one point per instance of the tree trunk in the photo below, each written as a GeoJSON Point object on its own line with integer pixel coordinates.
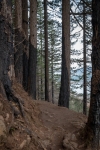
{"type": "Point", "coordinates": [6, 46]}
{"type": "Point", "coordinates": [52, 66]}
{"type": "Point", "coordinates": [65, 74]}
{"type": "Point", "coordinates": [25, 42]}
{"type": "Point", "coordinates": [93, 124]}
{"type": "Point", "coordinates": [32, 49]}
{"type": "Point", "coordinates": [46, 53]}
{"type": "Point", "coordinates": [19, 37]}
{"type": "Point", "coordinates": [84, 64]}
{"type": "Point", "coordinates": [52, 81]}
{"type": "Point", "coordinates": [41, 69]}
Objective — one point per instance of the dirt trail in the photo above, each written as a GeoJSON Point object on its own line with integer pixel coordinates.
{"type": "Point", "coordinates": [60, 121]}
{"type": "Point", "coordinates": [45, 126]}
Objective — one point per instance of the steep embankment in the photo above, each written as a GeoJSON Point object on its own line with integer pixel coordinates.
{"type": "Point", "coordinates": [38, 125]}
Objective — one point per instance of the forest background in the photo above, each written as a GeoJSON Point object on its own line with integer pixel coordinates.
{"type": "Point", "coordinates": [80, 37]}
{"type": "Point", "coordinates": [30, 53]}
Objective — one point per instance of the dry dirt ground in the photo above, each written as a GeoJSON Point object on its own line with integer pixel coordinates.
{"type": "Point", "coordinates": [38, 125]}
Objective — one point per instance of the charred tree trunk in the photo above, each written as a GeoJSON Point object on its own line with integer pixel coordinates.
{"type": "Point", "coordinates": [32, 49]}
{"type": "Point", "coordinates": [25, 42]}
{"type": "Point", "coordinates": [6, 49]}
{"type": "Point", "coordinates": [6, 46]}
{"type": "Point", "coordinates": [46, 53]}
{"type": "Point", "coordinates": [93, 124]}
{"type": "Point", "coordinates": [19, 37]}
{"type": "Point", "coordinates": [84, 63]}
{"type": "Point", "coordinates": [65, 74]}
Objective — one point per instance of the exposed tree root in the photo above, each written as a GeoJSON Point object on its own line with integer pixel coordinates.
{"type": "Point", "coordinates": [11, 97]}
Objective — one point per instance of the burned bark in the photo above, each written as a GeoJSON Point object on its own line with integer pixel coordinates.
{"type": "Point", "coordinates": [11, 97]}
{"type": "Point", "coordinates": [6, 49]}
{"type": "Point", "coordinates": [32, 50]}
{"type": "Point", "coordinates": [25, 65]}
{"type": "Point", "coordinates": [46, 53]}
{"type": "Point", "coordinates": [32, 71]}
{"type": "Point", "coordinates": [5, 41]}
{"type": "Point", "coordinates": [18, 57]}
{"type": "Point", "coordinates": [93, 124]}
{"type": "Point", "coordinates": [84, 63]}
{"type": "Point", "coordinates": [64, 90]}
{"type": "Point", "coordinates": [25, 42]}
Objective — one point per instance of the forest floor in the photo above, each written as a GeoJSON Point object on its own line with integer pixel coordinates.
{"type": "Point", "coordinates": [38, 125]}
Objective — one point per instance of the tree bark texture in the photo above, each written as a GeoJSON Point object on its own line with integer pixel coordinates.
{"type": "Point", "coordinates": [25, 17]}
{"type": "Point", "coordinates": [52, 67]}
{"type": "Point", "coordinates": [84, 63]}
{"type": "Point", "coordinates": [19, 38]}
{"type": "Point", "coordinates": [6, 46]}
{"type": "Point", "coordinates": [65, 74]}
{"type": "Point", "coordinates": [93, 124]}
{"type": "Point", "coordinates": [25, 42]}
{"type": "Point", "coordinates": [41, 70]}
{"type": "Point", "coordinates": [32, 49]}
{"type": "Point", "coordinates": [46, 53]}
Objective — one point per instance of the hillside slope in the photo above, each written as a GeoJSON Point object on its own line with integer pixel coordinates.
{"type": "Point", "coordinates": [38, 125]}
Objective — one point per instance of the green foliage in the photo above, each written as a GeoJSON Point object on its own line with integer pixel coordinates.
{"type": "Point", "coordinates": [54, 40]}
{"type": "Point", "coordinates": [77, 44]}
{"type": "Point", "coordinates": [76, 103]}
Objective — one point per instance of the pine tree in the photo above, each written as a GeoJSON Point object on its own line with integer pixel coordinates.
{"type": "Point", "coordinates": [6, 46]}
{"type": "Point", "coordinates": [54, 36]}
{"type": "Point", "coordinates": [32, 49]}
{"type": "Point", "coordinates": [40, 52]}
{"type": "Point", "coordinates": [54, 50]}
{"type": "Point", "coordinates": [92, 129]}
{"type": "Point", "coordinates": [46, 53]}
{"type": "Point", "coordinates": [81, 75]}
{"type": "Point", "coordinates": [18, 57]}
{"type": "Point", "coordinates": [25, 42]}
{"type": "Point", "coordinates": [65, 74]}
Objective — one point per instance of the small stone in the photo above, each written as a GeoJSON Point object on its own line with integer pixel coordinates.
{"type": "Point", "coordinates": [7, 117]}
{"type": "Point", "coordinates": [1, 118]}
{"type": "Point", "coordinates": [28, 139]}
{"type": "Point", "coordinates": [75, 145]}
{"type": "Point", "coordinates": [73, 138]}
{"type": "Point", "coordinates": [65, 143]}
{"type": "Point", "coordinates": [51, 116]}
{"type": "Point", "coordinates": [46, 142]}
{"type": "Point", "coordinates": [23, 144]}
{"type": "Point", "coordinates": [68, 136]}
